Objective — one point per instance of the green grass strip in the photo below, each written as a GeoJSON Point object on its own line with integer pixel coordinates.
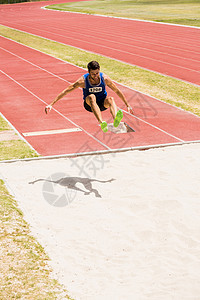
{"type": "Point", "coordinates": [167, 89]}
{"type": "Point", "coordinates": [184, 12]}
{"type": "Point", "coordinates": [24, 271]}
{"type": "Point", "coordinates": [14, 149]}
{"type": "Point", "coordinates": [4, 125]}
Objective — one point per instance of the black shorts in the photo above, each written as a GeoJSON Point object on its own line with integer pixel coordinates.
{"type": "Point", "coordinates": [100, 104]}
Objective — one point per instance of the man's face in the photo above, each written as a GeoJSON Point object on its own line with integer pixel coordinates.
{"type": "Point", "coordinates": [94, 74]}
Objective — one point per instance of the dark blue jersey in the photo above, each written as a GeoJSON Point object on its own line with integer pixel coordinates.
{"type": "Point", "coordinates": [98, 90]}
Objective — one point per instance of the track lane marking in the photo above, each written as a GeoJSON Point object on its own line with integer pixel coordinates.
{"type": "Point", "coordinates": [49, 132]}
{"type": "Point", "coordinates": [82, 49]}
{"type": "Point", "coordinates": [111, 48]}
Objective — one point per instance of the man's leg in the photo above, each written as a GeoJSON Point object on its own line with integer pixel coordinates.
{"type": "Point", "coordinates": [91, 101]}
{"type": "Point", "coordinates": [109, 102]}
{"type": "Point", "coordinates": [116, 114]}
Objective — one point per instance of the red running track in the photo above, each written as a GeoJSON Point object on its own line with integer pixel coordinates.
{"type": "Point", "coordinates": [168, 49]}
{"type": "Point", "coordinates": [31, 79]}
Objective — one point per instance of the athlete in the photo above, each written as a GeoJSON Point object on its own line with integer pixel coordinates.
{"type": "Point", "coordinates": [95, 95]}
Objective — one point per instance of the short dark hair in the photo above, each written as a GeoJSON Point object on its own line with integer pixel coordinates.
{"type": "Point", "coordinates": [93, 65]}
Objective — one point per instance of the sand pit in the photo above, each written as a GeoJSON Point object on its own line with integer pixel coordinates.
{"type": "Point", "coordinates": [131, 233]}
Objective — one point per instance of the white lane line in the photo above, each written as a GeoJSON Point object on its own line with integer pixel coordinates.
{"type": "Point", "coordinates": [156, 40]}
{"type": "Point", "coordinates": [175, 137]}
{"type": "Point", "coordinates": [29, 62]}
{"type": "Point", "coordinates": [82, 49]}
{"type": "Point", "coordinates": [138, 47]}
{"type": "Point", "coordinates": [116, 49]}
{"type": "Point", "coordinates": [139, 38]}
{"type": "Point", "coordinates": [48, 132]}
{"type": "Point", "coordinates": [120, 18]}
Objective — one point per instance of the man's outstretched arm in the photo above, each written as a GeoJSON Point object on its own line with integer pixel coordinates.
{"type": "Point", "coordinates": [119, 93]}
{"type": "Point", "coordinates": [70, 88]}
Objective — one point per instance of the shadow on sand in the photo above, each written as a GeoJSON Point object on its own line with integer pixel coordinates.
{"type": "Point", "coordinates": [70, 183]}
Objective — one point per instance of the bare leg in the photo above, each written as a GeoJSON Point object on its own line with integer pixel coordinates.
{"type": "Point", "coordinates": [110, 103]}
{"type": "Point", "coordinates": [91, 101]}
{"type": "Point", "coordinates": [116, 114]}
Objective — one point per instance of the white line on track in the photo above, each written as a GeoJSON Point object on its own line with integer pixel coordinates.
{"type": "Point", "coordinates": [134, 46]}
{"type": "Point", "coordinates": [159, 129]}
{"type": "Point", "coordinates": [29, 62]}
{"type": "Point", "coordinates": [175, 137]}
{"type": "Point", "coordinates": [96, 53]}
{"type": "Point", "coordinates": [161, 38]}
{"type": "Point", "coordinates": [49, 132]}
{"type": "Point", "coordinates": [115, 49]}
{"type": "Point", "coordinates": [138, 39]}
{"type": "Point", "coordinates": [121, 18]}
{"type": "Point", "coordinates": [165, 34]}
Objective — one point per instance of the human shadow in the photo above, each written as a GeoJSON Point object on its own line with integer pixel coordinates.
{"type": "Point", "coordinates": [70, 183]}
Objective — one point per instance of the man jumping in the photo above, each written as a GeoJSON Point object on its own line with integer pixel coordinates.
{"type": "Point", "coordinates": [95, 95]}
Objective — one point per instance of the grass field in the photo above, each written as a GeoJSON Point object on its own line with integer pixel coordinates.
{"type": "Point", "coordinates": [184, 12]}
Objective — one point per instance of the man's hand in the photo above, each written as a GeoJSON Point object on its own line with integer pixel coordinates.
{"type": "Point", "coordinates": [48, 109]}
{"type": "Point", "coordinates": [130, 110]}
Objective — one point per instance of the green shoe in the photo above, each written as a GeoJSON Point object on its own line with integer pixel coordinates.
{"type": "Point", "coordinates": [104, 126]}
{"type": "Point", "coordinates": [118, 118]}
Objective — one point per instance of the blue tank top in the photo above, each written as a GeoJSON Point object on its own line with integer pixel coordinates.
{"type": "Point", "coordinates": [98, 90]}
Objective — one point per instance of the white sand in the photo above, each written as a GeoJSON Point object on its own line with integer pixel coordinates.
{"type": "Point", "coordinates": [140, 240]}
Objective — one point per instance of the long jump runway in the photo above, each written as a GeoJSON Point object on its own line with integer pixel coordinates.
{"type": "Point", "coordinates": [168, 49]}
{"type": "Point", "coordinates": [31, 79]}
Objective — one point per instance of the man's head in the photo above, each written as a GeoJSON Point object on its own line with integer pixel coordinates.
{"type": "Point", "coordinates": [93, 65]}
{"type": "Point", "coordinates": [94, 69]}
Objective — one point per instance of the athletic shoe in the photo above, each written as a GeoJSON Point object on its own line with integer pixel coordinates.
{"type": "Point", "coordinates": [104, 126]}
{"type": "Point", "coordinates": [118, 118]}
